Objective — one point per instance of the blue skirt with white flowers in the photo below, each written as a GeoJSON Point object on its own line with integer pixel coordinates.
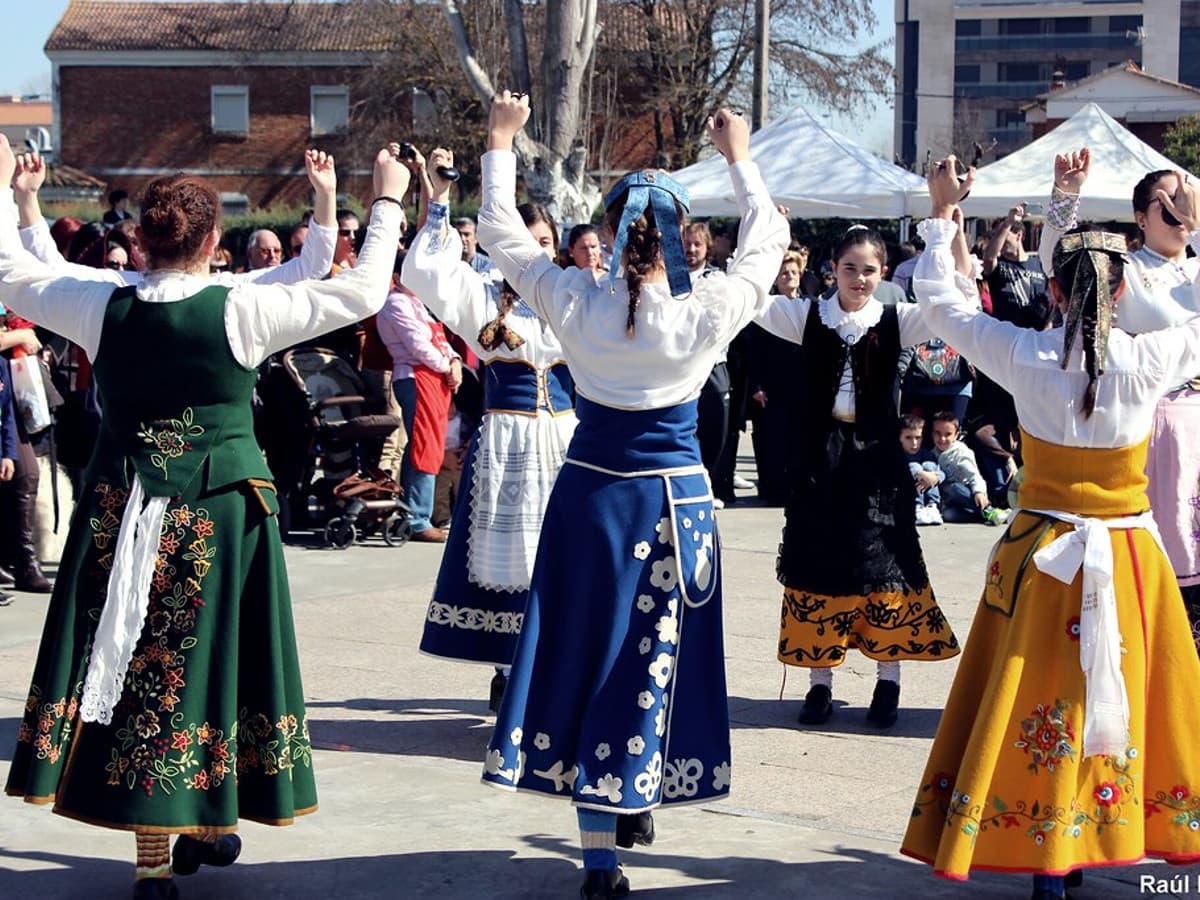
{"type": "Point", "coordinates": [603, 706]}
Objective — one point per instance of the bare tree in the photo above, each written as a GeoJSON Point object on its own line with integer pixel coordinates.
{"type": "Point", "coordinates": [552, 150]}
{"type": "Point", "coordinates": [701, 50]}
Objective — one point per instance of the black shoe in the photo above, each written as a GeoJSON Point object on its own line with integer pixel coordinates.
{"type": "Point", "coordinates": [884, 704]}
{"type": "Point", "coordinates": [5, 599]}
{"type": "Point", "coordinates": [1074, 878]}
{"type": "Point", "coordinates": [155, 889]}
{"type": "Point", "coordinates": [604, 884]}
{"type": "Point", "coordinates": [635, 828]}
{"type": "Point", "coordinates": [190, 854]}
{"type": "Point", "coordinates": [818, 705]}
{"type": "Point", "coordinates": [496, 693]}
{"type": "Point", "coordinates": [32, 581]}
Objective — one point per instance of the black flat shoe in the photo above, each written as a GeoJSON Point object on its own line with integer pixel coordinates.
{"type": "Point", "coordinates": [155, 889]}
{"type": "Point", "coordinates": [635, 828]}
{"type": "Point", "coordinates": [818, 705]}
{"type": "Point", "coordinates": [496, 692]}
{"type": "Point", "coordinates": [884, 704]}
{"type": "Point", "coordinates": [600, 884]}
{"type": "Point", "coordinates": [190, 854]}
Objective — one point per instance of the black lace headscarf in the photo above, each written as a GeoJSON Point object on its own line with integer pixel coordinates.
{"type": "Point", "coordinates": [1089, 266]}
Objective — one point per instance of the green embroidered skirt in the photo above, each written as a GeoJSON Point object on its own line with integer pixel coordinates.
{"type": "Point", "coordinates": [210, 727]}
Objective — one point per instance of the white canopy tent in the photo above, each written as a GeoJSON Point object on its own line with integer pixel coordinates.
{"type": "Point", "coordinates": [1119, 160]}
{"type": "Point", "coordinates": [815, 172]}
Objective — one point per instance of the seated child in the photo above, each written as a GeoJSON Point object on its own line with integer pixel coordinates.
{"type": "Point", "coordinates": [925, 471]}
{"type": "Point", "coordinates": [964, 494]}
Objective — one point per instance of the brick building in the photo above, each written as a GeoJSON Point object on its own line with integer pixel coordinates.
{"type": "Point", "coordinates": [236, 91]}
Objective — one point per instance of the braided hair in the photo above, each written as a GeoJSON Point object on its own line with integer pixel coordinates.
{"type": "Point", "coordinates": [1090, 275]}
{"type": "Point", "coordinates": [643, 252]}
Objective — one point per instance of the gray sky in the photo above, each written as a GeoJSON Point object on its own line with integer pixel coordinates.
{"type": "Point", "coordinates": [24, 68]}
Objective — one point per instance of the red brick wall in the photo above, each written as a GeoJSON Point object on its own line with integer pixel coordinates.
{"type": "Point", "coordinates": [116, 117]}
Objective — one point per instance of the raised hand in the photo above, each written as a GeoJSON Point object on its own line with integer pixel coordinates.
{"type": "Point", "coordinates": [1184, 206]}
{"type": "Point", "coordinates": [320, 170]}
{"type": "Point", "coordinates": [1016, 215]}
{"type": "Point", "coordinates": [508, 115]}
{"type": "Point", "coordinates": [30, 174]}
{"type": "Point", "coordinates": [945, 190]}
{"type": "Point", "coordinates": [730, 134]}
{"type": "Point", "coordinates": [1071, 170]}
{"type": "Point", "coordinates": [440, 157]}
{"type": "Point", "coordinates": [390, 178]}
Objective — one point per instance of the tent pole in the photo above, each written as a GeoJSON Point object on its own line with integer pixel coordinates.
{"type": "Point", "coordinates": [905, 228]}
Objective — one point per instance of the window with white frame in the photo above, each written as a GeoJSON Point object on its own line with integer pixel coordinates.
{"type": "Point", "coordinates": [330, 108]}
{"type": "Point", "coordinates": [230, 109]}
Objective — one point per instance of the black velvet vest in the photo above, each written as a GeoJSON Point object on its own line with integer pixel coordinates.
{"type": "Point", "coordinates": [873, 363]}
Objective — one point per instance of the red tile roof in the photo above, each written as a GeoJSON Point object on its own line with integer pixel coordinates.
{"type": "Point", "coordinates": [341, 27]}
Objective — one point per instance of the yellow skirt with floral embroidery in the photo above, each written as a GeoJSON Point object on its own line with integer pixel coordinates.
{"type": "Point", "coordinates": [1006, 787]}
{"type": "Point", "coordinates": [816, 630]}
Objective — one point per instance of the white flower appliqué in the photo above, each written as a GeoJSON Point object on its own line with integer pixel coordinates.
{"type": "Point", "coordinates": [721, 777]}
{"type": "Point", "coordinates": [668, 625]}
{"type": "Point", "coordinates": [664, 531]}
{"type": "Point", "coordinates": [664, 574]}
{"type": "Point", "coordinates": [541, 740]}
{"type": "Point", "coordinates": [603, 751]}
{"type": "Point", "coordinates": [645, 602]}
{"type": "Point", "coordinates": [607, 788]}
{"type": "Point", "coordinates": [645, 699]}
{"type": "Point", "coordinates": [517, 736]}
{"type": "Point", "coordinates": [641, 550]}
{"type": "Point", "coordinates": [635, 745]}
{"type": "Point", "coordinates": [660, 669]}
{"type": "Point", "coordinates": [644, 645]}
{"type": "Point", "coordinates": [648, 781]}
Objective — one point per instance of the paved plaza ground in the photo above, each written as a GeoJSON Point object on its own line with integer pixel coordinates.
{"type": "Point", "coordinates": [400, 736]}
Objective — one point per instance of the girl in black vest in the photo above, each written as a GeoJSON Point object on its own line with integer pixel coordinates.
{"type": "Point", "coordinates": [850, 563]}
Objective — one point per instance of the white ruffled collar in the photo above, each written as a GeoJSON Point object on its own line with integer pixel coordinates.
{"type": "Point", "coordinates": [850, 325]}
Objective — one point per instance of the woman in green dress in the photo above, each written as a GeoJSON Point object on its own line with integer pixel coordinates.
{"type": "Point", "coordinates": [166, 697]}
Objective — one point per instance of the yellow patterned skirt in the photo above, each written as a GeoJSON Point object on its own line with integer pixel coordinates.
{"type": "Point", "coordinates": [816, 630]}
{"type": "Point", "coordinates": [1006, 787]}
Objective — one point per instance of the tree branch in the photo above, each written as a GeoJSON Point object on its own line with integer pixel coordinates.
{"type": "Point", "coordinates": [476, 76]}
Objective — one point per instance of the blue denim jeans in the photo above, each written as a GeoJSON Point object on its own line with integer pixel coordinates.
{"type": "Point", "coordinates": [418, 486]}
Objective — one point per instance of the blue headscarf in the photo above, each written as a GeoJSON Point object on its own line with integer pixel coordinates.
{"type": "Point", "coordinates": [659, 191]}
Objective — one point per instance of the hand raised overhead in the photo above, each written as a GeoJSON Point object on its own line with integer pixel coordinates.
{"type": "Point", "coordinates": [730, 134]}
{"type": "Point", "coordinates": [1071, 170]}
{"type": "Point", "coordinates": [322, 174]}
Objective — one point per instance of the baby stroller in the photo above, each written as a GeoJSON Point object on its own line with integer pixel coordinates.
{"type": "Point", "coordinates": [314, 426]}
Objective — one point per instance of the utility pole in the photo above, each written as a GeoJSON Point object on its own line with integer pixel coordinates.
{"type": "Point", "coordinates": [762, 48]}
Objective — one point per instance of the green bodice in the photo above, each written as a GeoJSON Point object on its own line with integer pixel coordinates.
{"type": "Point", "coordinates": [175, 402]}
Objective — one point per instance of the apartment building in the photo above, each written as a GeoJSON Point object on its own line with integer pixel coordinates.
{"type": "Point", "coordinates": [967, 69]}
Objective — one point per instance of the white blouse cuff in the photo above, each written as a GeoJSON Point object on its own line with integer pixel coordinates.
{"type": "Point", "coordinates": [499, 169]}
{"type": "Point", "coordinates": [937, 232]}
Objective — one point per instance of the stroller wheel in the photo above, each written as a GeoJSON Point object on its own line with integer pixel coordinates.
{"type": "Point", "coordinates": [397, 530]}
{"type": "Point", "coordinates": [340, 534]}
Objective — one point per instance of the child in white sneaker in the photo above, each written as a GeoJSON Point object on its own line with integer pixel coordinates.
{"type": "Point", "coordinates": [926, 473]}
{"type": "Point", "coordinates": [964, 495]}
